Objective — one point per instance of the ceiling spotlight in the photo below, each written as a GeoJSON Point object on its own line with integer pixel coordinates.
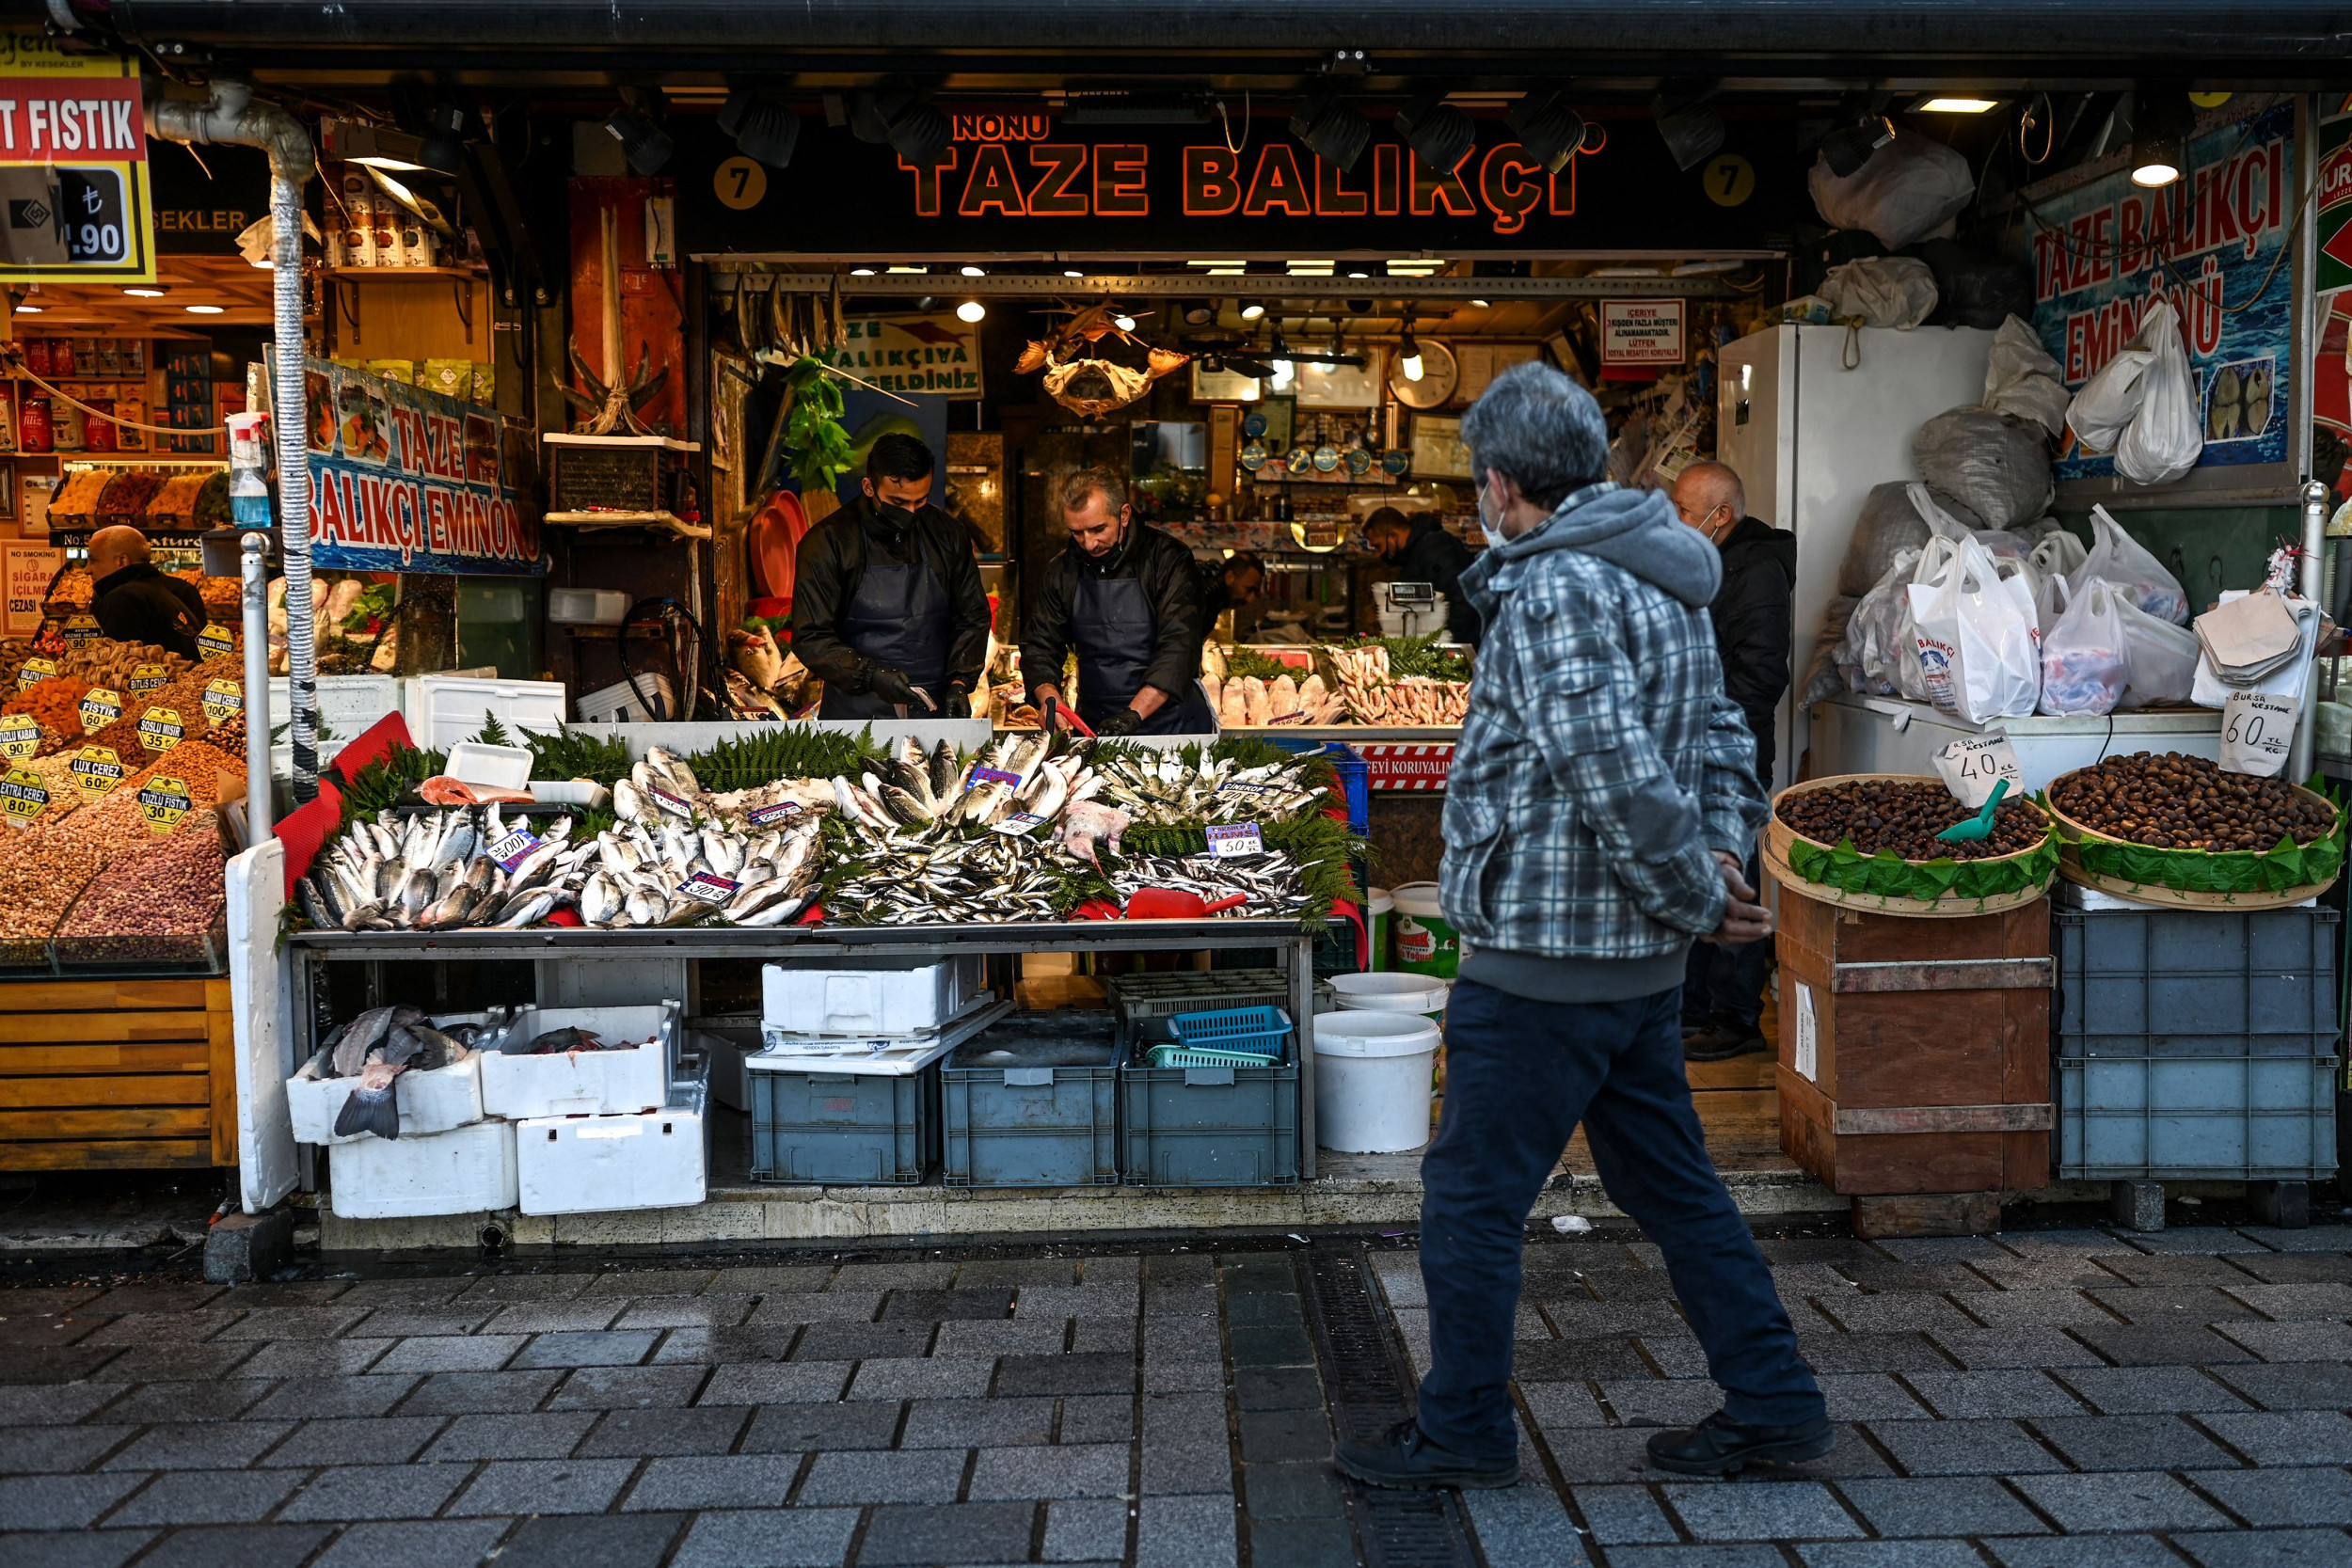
{"type": "Point", "coordinates": [355, 141]}
{"type": "Point", "coordinates": [206, 309]}
{"type": "Point", "coordinates": [1360, 307]}
{"type": "Point", "coordinates": [1692, 131]}
{"type": "Point", "coordinates": [861, 272]}
{"type": "Point", "coordinates": [1478, 304]}
{"type": "Point", "coordinates": [1335, 132]}
{"type": "Point", "coordinates": [28, 309]}
{"type": "Point", "coordinates": [764, 127]}
{"type": "Point", "coordinates": [871, 112]}
{"type": "Point", "coordinates": [920, 134]}
{"type": "Point", "coordinates": [1409, 353]}
{"type": "Point", "coordinates": [1437, 132]}
{"type": "Point", "coordinates": [1251, 309]}
{"type": "Point", "coordinates": [1279, 351]}
{"type": "Point", "coordinates": [145, 290]}
{"type": "Point", "coordinates": [1124, 324]}
{"type": "Point", "coordinates": [2162, 122]}
{"type": "Point", "coordinates": [1200, 312]}
{"type": "Point", "coordinates": [1074, 272]}
{"type": "Point", "coordinates": [645, 145]}
{"type": "Point", "coordinates": [442, 147]}
{"type": "Point", "coordinates": [1955, 104]}
{"type": "Point", "coordinates": [1848, 147]}
{"type": "Point", "coordinates": [971, 310]}
{"type": "Point", "coordinates": [1549, 130]}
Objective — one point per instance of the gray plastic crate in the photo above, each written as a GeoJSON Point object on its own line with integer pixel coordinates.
{"type": "Point", "coordinates": [2167, 982]}
{"type": "Point", "coordinates": [845, 1129]}
{"type": "Point", "coordinates": [1033, 1101]}
{"type": "Point", "coordinates": [2252, 1117]}
{"type": "Point", "coordinates": [1143, 1004]}
{"type": "Point", "coordinates": [1210, 1126]}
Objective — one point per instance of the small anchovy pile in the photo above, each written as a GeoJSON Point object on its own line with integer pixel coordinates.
{"type": "Point", "coordinates": [1165, 790]}
{"type": "Point", "coordinates": [938, 876]}
{"type": "Point", "coordinates": [1273, 882]}
{"type": "Point", "coordinates": [434, 873]}
{"type": "Point", "coordinates": [377, 1047]}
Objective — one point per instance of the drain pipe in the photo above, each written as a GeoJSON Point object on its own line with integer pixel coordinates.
{"type": "Point", "coordinates": [233, 118]}
{"type": "Point", "coordinates": [2308, 585]}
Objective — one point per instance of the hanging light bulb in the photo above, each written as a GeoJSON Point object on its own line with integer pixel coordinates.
{"type": "Point", "coordinates": [1124, 324]}
{"type": "Point", "coordinates": [971, 271]}
{"type": "Point", "coordinates": [971, 310]}
{"type": "Point", "coordinates": [1251, 309]}
{"type": "Point", "coordinates": [1409, 354]}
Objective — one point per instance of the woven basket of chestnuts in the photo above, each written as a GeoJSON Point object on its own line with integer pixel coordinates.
{"type": "Point", "coordinates": [2177, 831]}
{"type": "Point", "coordinates": [1867, 841]}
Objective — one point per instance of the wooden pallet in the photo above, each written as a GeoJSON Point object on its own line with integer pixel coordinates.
{"type": "Point", "coordinates": [116, 1075]}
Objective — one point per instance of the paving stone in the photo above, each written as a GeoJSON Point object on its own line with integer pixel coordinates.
{"type": "Point", "coordinates": [290, 1293]}
{"type": "Point", "coordinates": [301, 1397]}
{"type": "Point", "coordinates": [223, 1401]}
{"type": "Point", "coordinates": [2301, 1341]}
{"type": "Point", "coordinates": [1868, 1397]}
{"type": "Point", "coordinates": [622, 1540]}
{"type": "Point", "coordinates": [351, 1492]}
{"type": "Point", "coordinates": [1696, 1556]}
{"type": "Point", "coordinates": [2270, 1548]}
{"type": "Point", "coordinates": [1827, 1352]}
{"type": "Point", "coordinates": [795, 1428]}
{"type": "Point", "coordinates": [656, 1282]}
{"type": "Point", "coordinates": [915, 1275]}
{"type": "Point", "coordinates": [937, 1306]}
{"type": "Point", "coordinates": [363, 1440]}
{"type": "Point", "coordinates": [1523, 1525]}
{"type": "Point", "coordinates": [795, 1279]}
{"type": "Point", "coordinates": [707, 1347]}
{"type": "Point", "coordinates": [2317, 1238]}
{"type": "Point", "coordinates": [715, 1481]}
{"type": "Point", "coordinates": [1296, 1491]}
{"type": "Point", "coordinates": [1018, 1272]}
{"type": "Point", "coordinates": [548, 1434]}
{"type": "Point", "coordinates": [414, 1543]}
{"type": "Point", "coordinates": [2118, 1501]}
{"type": "Point", "coordinates": [165, 1328]}
{"type": "Point", "coordinates": [2044, 1272]}
{"type": "Point", "coordinates": [1996, 1349]}
{"type": "Point", "coordinates": [1093, 1470]}
{"type": "Point", "coordinates": [2134, 1390]}
{"type": "Point", "coordinates": [1187, 1467]}
{"type": "Point", "coordinates": [708, 1311]}
{"type": "Point", "coordinates": [425, 1321]}
{"type": "Point", "coordinates": [22, 1326]}
{"type": "Point", "coordinates": [2281, 1497]}
{"type": "Point", "coordinates": [237, 1546]}
{"type": "Point", "coordinates": [201, 1444]}
{"type": "Point", "coordinates": [466, 1393]}
{"type": "Point", "coordinates": [1892, 1314]}
{"type": "Point", "coordinates": [1939, 1505]}
{"type": "Point", "coordinates": [947, 1532]}
{"type": "Point", "coordinates": [1303, 1542]}
{"type": "Point", "coordinates": [1103, 1335]}
{"type": "Point", "coordinates": [2284, 1437]}
{"type": "Point", "coordinates": [2139, 1270]}
{"type": "Point", "coordinates": [825, 1307]}
{"type": "Point", "coordinates": [1887, 1279]}
{"type": "Point", "coordinates": [452, 1353]}
{"type": "Point", "coordinates": [2294, 1386]}
{"type": "Point", "coordinates": [1604, 1319]}
{"type": "Point", "coordinates": [313, 1357]}
{"type": "Point", "coordinates": [2129, 1442]}
{"type": "Point", "coordinates": [585, 1314]}
{"type": "Point", "coordinates": [2171, 1304]}
{"type": "Point", "coordinates": [2210, 1240]}
{"type": "Point", "coordinates": [161, 1363]}
{"type": "Point", "coordinates": [404, 1292]}
{"type": "Point", "coordinates": [1168, 1377]}
{"type": "Point", "coordinates": [65, 1364]}
{"type": "Point", "coordinates": [207, 1498]}
{"type": "Point", "coordinates": [503, 1288]}
{"type": "Point", "coordinates": [2031, 1308]}
{"type": "Point", "coordinates": [1652, 1402]}
{"type": "Point", "coordinates": [2297, 1303]}
{"type": "Point", "coordinates": [2161, 1344]}
{"type": "Point", "coordinates": [1066, 1374]}
{"type": "Point", "coordinates": [1278, 1436]}
{"type": "Point", "coordinates": [995, 1336]}
{"type": "Point", "coordinates": [977, 1423]}
{"type": "Point", "coordinates": [1599, 1455]}
{"type": "Point", "coordinates": [779, 1538]}
{"type": "Point", "coordinates": [2018, 1393]}
{"type": "Point", "coordinates": [924, 1379]}
{"type": "Point", "coordinates": [863, 1341]}
{"type": "Point", "coordinates": [617, 1348]}
{"type": "Point", "coordinates": [544, 1486]}
{"type": "Point", "coordinates": [1574, 1360]}
{"type": "Point", "coordinates": [107, 1548]}
{"type": "Point", "coordinates": [1784, 1511]}
{"type": "Point", "coordinates": [764, 1382]}
{"type": "Point", "coordinates": [2296, 1268]}
{"type": "Point", "coordinates": [1185, 1532]}
{"type": "Point", "coordinates": [1623, 1516]}
{"type": "Point", "coordinates": [293, 1322]}
{"type": "Point", "coordinates": [1561, 1404]}
{"type": "Point", "coordinates": [911, 1476]}
{"type": "Point", "coordinates": [1270, 1345]}
{"type": "Point", "coordinates": [56, 1450]}
{"type": "Point", "coordinates": [1085, 1529]}
{"type": "Point", "coordinates": [1964, 1447]}
{"type": "Point", "coordinates": [48, 1404]}
{"type": "Point", "coordinates": [1097, 1419]}
{"type": "Point", "coordinates": [61, 1502]}
{"type": "Point", "coordinates": [628, 1388]}
{"type": "Point", "coordinates": [625, 1434]}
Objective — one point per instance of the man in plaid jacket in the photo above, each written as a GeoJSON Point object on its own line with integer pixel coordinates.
{"type": "Point", "coordinates": [1600, 806]}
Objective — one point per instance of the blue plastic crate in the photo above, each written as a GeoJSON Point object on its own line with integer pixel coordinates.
{"type": "Point", "coordinates": [1209, 1126]}
{"type": "Point", "coordinates": [1354, 771]}
{"type": "Point", "coordinates": [2176, 1119]}
{"type": "Point", "coordinates": [845, 1129]}
{"type": "Point", "coordinates": [1043, 1112]}
{"type": "Point", "coordinates": [1245, 1031]}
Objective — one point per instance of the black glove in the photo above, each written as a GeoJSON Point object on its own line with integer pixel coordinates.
{"type": "Point", "coordinates": [1125, 721]}
{"type": "Point", "coordinates": [957, 704]}
{"type": "Point", "coordinates": [892, 686]}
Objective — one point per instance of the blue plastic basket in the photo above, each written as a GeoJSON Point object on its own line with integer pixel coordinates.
{"type": "Point", "coordinates": [1356, 781]}
{"type": "Point", "coordinates": [1253, 1032]}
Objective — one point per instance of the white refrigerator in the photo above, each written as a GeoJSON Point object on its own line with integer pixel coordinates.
{"type": "Point", "coordinates": [1811, 418]}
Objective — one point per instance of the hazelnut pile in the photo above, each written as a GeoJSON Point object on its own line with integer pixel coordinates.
{"type": "Point", "coordinates": [2170, 801]}
{"type": "Point", "coordinates": [1904, 815]}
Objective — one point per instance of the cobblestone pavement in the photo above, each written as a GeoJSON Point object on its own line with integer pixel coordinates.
{"type": "Point", "coordinates": [2052, 1398]}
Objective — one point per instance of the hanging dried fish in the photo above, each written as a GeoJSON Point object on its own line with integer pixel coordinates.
{"type": "Point", "coordinates": [1078, 378]}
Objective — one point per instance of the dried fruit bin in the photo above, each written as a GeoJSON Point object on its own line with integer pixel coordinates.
{"type": "Point", "coordinates": [1210, 1126]}
{"type": "Point", "coordinates": [844, 1129]}
{"type": "Point", "coordinates": [1033, 1102]}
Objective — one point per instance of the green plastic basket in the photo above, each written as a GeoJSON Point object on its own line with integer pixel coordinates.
{"type": "Point", "coordinates": [1197, 1055]}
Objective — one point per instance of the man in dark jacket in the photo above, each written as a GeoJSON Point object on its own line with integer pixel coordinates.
{"type": "Point", "coordinates": [1722, 990]}
{"type": "Point", "coordinates": [1422, 550]}
{"type": "Point", "coordinates": [1231, 584]}
{"type": "Point", "coordinates": [887, 606]}
{"type": "Point", "coordinates": [1124, 598]}
{"type": "Point", "coordinates": [135, 603]}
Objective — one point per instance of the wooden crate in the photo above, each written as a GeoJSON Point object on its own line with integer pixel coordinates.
{"type": "Point", "coordinates": [1930, 1049]}
{"type": "Point", "coordinates": [117, 1074]}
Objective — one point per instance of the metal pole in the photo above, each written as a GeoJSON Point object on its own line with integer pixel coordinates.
{"type": "Point", "coordinates": [259, 804]}
{"type": "Point", "coordinates": [2307, 584]}
{"type": "Point", "coordinates": [292, 432]}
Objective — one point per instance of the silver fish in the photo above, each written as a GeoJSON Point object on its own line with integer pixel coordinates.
{"type": "Point", "coordinates": [531, 907]}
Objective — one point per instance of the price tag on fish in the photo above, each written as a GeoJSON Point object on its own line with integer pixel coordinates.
{"type": "Point", "coordinates": [708, 888]}
{"type": "Point", "coordinates": [1971, 766]}
{"type": "Point", "coordinates": [20, 734]}
{"type": "Point", "coordinates": [1019, 824]}
{"type": "Point", "coordinates": [23, 797]}
{"type": "Point", "coordinates": [2257, 727]}
{"type": "Point", "coordinates": [97, 771]}
{"type": "Point", "coordinates": [100, 706]}
{"type": "Point", "coordinates": [164, 802]}
{"type": "Point", "coordinates": [992, 775]}
{"type": "Point", "coordinates": [670, 803]}
{"type": "Point", "coordinates": [160, 729]}
{"type": "Point", "coordinates": [222, 699]}
{"type": "Point", "coordinates": [767, 816]}
{"type": "Point", "coordinates": [1234, 840]}
{"type": "Point", "coordinates": [515, 849]}
{"type": "Point", "coordinates": [215, 639]}
{"type": "Point", "coordinates": [34, 671]}
{"type": "Point", "coordinates": [81, 627]}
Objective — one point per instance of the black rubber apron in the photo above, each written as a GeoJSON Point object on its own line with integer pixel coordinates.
{"type": "Point", "coordinates": [1115, 631]}
{"type": "Point", "coordinates": [898, 619]}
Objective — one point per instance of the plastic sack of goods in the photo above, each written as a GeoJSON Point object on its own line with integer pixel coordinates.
{"type": "Point", "coordinates": [2124, 562]}
{"type": "Point", "coordinates": [1909, 187]}
{"type": "Point", "coordinates": [1980, 647]}
{"type": "Point", "coordinates": [2144, 405]}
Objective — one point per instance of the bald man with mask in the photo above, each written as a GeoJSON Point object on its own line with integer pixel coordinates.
{"type": "Point", "coordinates": [134, 602]}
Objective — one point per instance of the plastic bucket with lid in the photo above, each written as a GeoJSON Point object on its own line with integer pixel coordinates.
{"type": "Point", "coordinates": [1421, 994]}
{"type": "Point", "coordinates": [1380, 910]}
{"type": "Point", "coordinates": [1426, 943]}
{"type": "Point", "coordinates": [1371, 1080]}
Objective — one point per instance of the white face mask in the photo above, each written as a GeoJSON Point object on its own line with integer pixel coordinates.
{"type": "Point", "coordinates": [1491, 528]}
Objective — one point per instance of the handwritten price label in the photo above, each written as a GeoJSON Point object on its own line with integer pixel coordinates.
{"type": "Point", "coordinates": [2257, 728]}
{"type": "Point", "coordinates": [1971, 767]}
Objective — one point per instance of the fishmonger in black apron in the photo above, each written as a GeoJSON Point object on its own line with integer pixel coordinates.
{"type": "Point", "coordinates": [1112, 625]}
{"type": "Point", "coordinates": [898, 619]}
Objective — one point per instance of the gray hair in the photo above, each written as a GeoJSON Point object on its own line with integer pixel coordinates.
{"type": "Point", "coordinates": [1076, 489]}
{"type": "Point", "coordinates": [1540, 431]}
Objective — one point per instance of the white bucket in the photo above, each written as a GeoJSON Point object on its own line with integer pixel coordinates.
{"type": "Point", "coordinates": [1371, 1080]}
{"type": "Point", "coordinates": [1391, 992]}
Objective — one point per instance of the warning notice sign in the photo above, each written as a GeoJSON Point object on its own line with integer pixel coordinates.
{"type": "Point", "coordinates": [1641, 332]}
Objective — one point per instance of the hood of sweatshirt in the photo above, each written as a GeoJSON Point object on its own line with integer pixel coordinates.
{"type": "Point", "coordinates": [1636, 529]}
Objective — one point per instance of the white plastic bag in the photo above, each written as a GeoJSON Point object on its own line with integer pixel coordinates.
{"type": "Point", "coordinates": [2160, 657]}
{"type": "Point", "coordinates": [2168, 434]}
{"type": "Point", "coordinates": [1911, 670]}
{"type": "Point", "coordinates": [2057, 553]}
{"type": "Point", "coordinates": [1906, 190]}
{"type": "Point", "coordinates": [2023, 380]}
{"type": "Point", "coordinates": [1875, 635]}
{"type": "Point", "coordinates": [2108, 402]}
{"type": "Point", "coordinates": [1979, 646]}
{"type": "Point", "coordinates": [2052, 598]}
{"type": "Point", "coordinates": [2116, 556]}
{"type": "Point", "coordinates": [2083, 665]}
{"type": "Point", "coordinates": [1996, 464]}
{"type": "Point", "coordinates": [1883, 291]}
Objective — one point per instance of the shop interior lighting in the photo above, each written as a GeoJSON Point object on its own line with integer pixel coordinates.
{"type": "Point", "coordinates": [861, 272]}
{"type": "Point", "coordinates": [206, 309]}
{"type": "Point", "coordinates": [442, 147]}
{"type": "Point", "coordinates": [1074, 272]}
{"type": "Point", "coordinates": [1278, 350]}
{"type": "Point", "coordinates": [645, 145]}
{"type": "Point", "coordinates": [921, 134]}
{"type": "Point", "coordinates": [1409, 353]}
{"type": "Point", "coordinates": [146, 291]}
{"type": "Point", "coordinates": [423, 211]}
{"type": "Point", "coordinates": [1547, 128]}
{"type": "Point", "coordinates": [2162, 119]}
{"type": "Point", "coordinates": [1689, 126]}
{"type": "Point", "coordinates": [971, 310]}
{"type": "Point", "coordinates": [28, 309]}
{"type": "Point", "coordinates": [1955, 104]}
{"type": "Point", "coordinates": [1331, 128]}
{"type": "Point", "coordinates": [1416, 266]}
{"type": "Point", "coordinates": [1437, 132]}
{"type": "Point", "coordinates": [355, 141]}
{"type": "Point", "coordinates": [1478, 304]}
{"type": "Point", "coordinates": [906, 269]}
{"type": "Point", "coordinates": [971, 271]}
{"type": "Point", "coordinates": [1849, 147]}
{"type": "Point", "coordinates": [1251, 309]}
{"type": "Point", "coordinates": [1703, 269]}
{"type": "Point", "coordinates": [764, 127]}
{"type": "Point", "coordinates": [1200, 312]}
{"type": "Point", "coordinates": [1124, 324]}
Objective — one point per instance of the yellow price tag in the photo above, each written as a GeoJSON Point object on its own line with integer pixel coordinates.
{"type": "Point", "coordinates": [164, 801]}
{"type": "Point", "coordinates": [160, 729]}
{"type": "Point", "coordinates": [20, 735]}
{"type": "Point", "coordinates": [81, 627]}
{"type": "Point", "coordinates": [215, 639]}
{"type": "Point", "coordinates": [23, 795]}
{"type": "Point", "coordinates": [223, 700]}
{"type": "Point", "coordinates": [100, 706]}
{"type": "Point", "coordinates": [97, 771]}
{"type": "Point", "coordinates": [34, 670]}
{"type": "Point", "coordinates": [147, 678]}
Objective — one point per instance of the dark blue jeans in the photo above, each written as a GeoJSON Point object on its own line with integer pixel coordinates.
{"type": "Point", "coordinates": [1727, 977]}
{"type": "Point", "coordinates": [1519, 1076]}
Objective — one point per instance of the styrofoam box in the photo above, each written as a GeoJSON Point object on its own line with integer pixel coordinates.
{"type": "Point", "coordinates": [620, 703]}
{"type": "Point", "coordinates": [909, 997]}
{"type": "Point", "coordinates": [729, 1050]}
{"type": "Point", "coordinates": [470, 1170]}
{"type": "Point", "coordinates": [492, 767]}
{"type": "Point", "coordinates": [589, 1164]}
{"type": "Point", "coordinates": [586, 607]}
{"type": "Point", "coordinates": [585, 1082]}
{"type": "Point", "coordinates": [445, 709]}
{"type": "Point", "coordinates": [349, 705]}
{"type": "Point", "coordinates": [429, 1102]}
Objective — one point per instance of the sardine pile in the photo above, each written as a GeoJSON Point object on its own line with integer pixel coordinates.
{"type": "Point", "coordinates": [1164, 791]}
{"type": "Point", "coordinates": [377, 1047]}
{"type": "Point", "coordinates": [1273, 881]}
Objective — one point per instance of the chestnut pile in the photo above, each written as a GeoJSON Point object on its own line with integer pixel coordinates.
{"type": "Point", "coordinates": [1904, 815]}
{"type": "Point", "coordinates": [2170, 801]}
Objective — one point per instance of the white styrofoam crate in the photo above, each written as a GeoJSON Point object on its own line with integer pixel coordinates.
{"type": "Point", "coordinates": [730, 1081]}
{"type": "Point", "coordinates": [585, 1082]}
{"type": "Point", "coordinates": [889, 1000]}
{"type": "Point", "coordinates": [468, 1170]}
{"type": "Point", "coordinates": [589, 1164]}
{"type": "Point", "coordinates": [876, 1056]}
{"type": "Point", "coordinates": [445, 709]}
{"type": "Point", "coordinates": [429, 1102]}
{"type": "Point", "coordinates": [348, 705]}
{"type": "Point", "coordinates": [619, 704]}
